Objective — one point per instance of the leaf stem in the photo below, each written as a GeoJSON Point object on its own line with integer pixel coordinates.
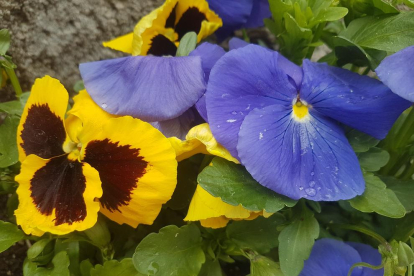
{"type": "Point", "coordinates": [364, 265]}
{"type": "Point", "coordinates": [361, 230]}
{"type": "Point", "coordinates": [14, 81]}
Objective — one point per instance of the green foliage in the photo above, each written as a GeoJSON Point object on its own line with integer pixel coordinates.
{"type": "Point", "coordinates": [403, 189]}
{"type": "Point", "coordinates": [8, 142]}
{"type": "Point", "coordinates": [4, 41]}
{"type": "Point", "coordinates": [235, 186]}
{"type": "Point", "coordinates": [377, 198]}
{"type": "Point", "coordinates": [187, 44]}
{"type": "Point", "coordinates": [41, 252]}
{"type": "Point", "coordinates": [60, 266]}
{"type": "Point", "coordinates": [373, 159]}
{"type": "Point", "coordinates": [262, 266]}
{"type": "Point", "coordinates": [260, 234]}
{"type": "Point", "coordinates": [9, 235]}
{"type": "Point", "coordinates": [173, 251]}
{"type": "Point", "coordinates": [296, 242]}
{"type": "Point", "coordinates": [111, 268]}
{"type": "Point", "coordinates": [360, 141]}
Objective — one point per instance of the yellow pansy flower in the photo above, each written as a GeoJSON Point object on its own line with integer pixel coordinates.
{"type": "Point", "coordinates": [88, 162]}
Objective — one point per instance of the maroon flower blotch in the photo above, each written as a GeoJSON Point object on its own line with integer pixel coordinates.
{"type": "Point", "coordinates": [43, 132]}
{"type": "Point", "coordinates": [119, 168]}
{"type": "Point", "coordinates": [190, 21]}
{"type": "Point", "coordinates": [60, 185]}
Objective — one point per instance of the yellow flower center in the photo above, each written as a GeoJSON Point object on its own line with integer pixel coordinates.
{"type": "Point", "coordinates": [73, 149]}
{"type": "Point", "coordinates": [300, 111]}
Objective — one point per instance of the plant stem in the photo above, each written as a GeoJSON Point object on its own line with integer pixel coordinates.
{"type": "Point", "coordinates": [14, 81]}
{"type": "Point", "coordinates": [317, 35]}
{"type": "Point", "coordinates": [361, 230]}
{"type": "Point", "coordinates": [364, 265]}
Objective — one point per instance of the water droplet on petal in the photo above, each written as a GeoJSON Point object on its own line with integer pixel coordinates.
{"type": "Point", "coordinates": [104, 105]}
{"type": "Point", "coordinates": [300, 188]}
{"type": "Point", "coordinates": [312, 184]}
{"type": "Point", "coordinates": [310, 192]}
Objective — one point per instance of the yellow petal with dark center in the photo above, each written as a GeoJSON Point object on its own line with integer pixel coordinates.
{"type": "Point", "coordinates": [41, 130]}
{"type": "Point", "coordinates": [199, 140]}
{"type": "Point", "coordinates": [57, 195]}
{"type": "Point", "coordinates": [196, 16]}
{"type": "Point", "coordinates": [122, 43]}
{"type": "Point", "coordinates": [137, 166]}
{"type": "Point", "coordinates": [150, 26]}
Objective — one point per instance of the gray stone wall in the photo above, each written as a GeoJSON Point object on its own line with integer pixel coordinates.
{"type": "Point", "coordinates": [53, 36]}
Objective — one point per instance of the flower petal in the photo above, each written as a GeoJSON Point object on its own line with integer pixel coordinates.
{"type": "Point", "coordinates": [300, 159]}
{"type": "Point", "coordinates": [152, 25]}
{"type": "Point", "coordinates": [149, 88]}
{"type": "Point", "coordinates": [122, 43]}
{"type": "Point", "coordinates": [358, 101]}
{"type": "Point", "coordinates": [199, 140]}
{"type": "Point", "coordinates": [331, 257]}
{"type": "Point", "coordinates": [234, 14]}
{"type": "Point", "coordinates": [368, 255]}
{"type": "Point", "coordinates": [260, 11]}
{"type": "Point", "coordinates": [41, 130]}
{"type": "Point", "coordinates": [196, 16]}
{"type": "Point", "coordinates": [179, 127]}
{"type": "Point", "coordinates": [57, 195]}
{"type": "Point", "coordinates": [137, 167]}
{"type": "Point", "coordinates": [396, 72]}
{"type": "Point", "coordinates": [244, 79]}
{"type": "Point", "coordinates": [210, 54]}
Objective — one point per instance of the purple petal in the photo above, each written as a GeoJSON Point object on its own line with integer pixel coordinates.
{"type": "Point", "coordinates": [260, 11]}
{"type": "Point", "coordinates": [291, 69]}
{"type": "Point", "coordinates": [242, 80]}
{"type": "Point", "coordinates": [368, 255]}
{"type": "Point", "coordinates": [179, 127]}
{"type": "Point", "coordinates": [331, 257]}
{"type": "Point", "coordinates": [146, 87]}
{"type": "Point", "coordinates": [397, 73]}
{"type": "Point", "coordinates": [310, 158]}
{"type": "Point", "coordinates": [234, 14]}
{"type": "Point", "coordinates": [358, 101]}
{"type": "Point", "coordinates": [210, 54]}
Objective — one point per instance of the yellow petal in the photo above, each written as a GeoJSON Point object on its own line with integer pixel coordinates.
{"type": "Point", "coordinates": [122, 43]}
{"type": "Point", "coordinates": [41, 130]}
{"type": "Point", "coordinates": [57, 195]}
{"type": "Point", "coordinates": [137, 167]}
{"type": "Point", "coordinates": [208, 26]}
{"type": "Point", "coordinates": [215, 223]}
{"type": "Point", "coordinates": [199, 140]}
{"type": "Point", "coordinates": [151, 25]}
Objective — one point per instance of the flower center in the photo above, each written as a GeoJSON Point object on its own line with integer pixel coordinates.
{"type": "Point", "coordinates": [73, 149]}
{"type": "Point", "coordinates": [300, 111]}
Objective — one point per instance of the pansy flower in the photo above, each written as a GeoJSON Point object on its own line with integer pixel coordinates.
{"type": "Point", "coordinates": [237, 14]}
{"type": "Point", "coordinates": [396, 72]}
{"type": "Point", "coordinates": [159, 32]}
{"type": "Point", "coordinates": [332, 257]}
{"type": "Point", "coordinates": [287, 130]}
{"type": "Point", "coordinates": [90, 161]}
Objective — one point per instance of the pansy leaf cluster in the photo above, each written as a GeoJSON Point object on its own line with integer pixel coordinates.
{"type": "Point", "coordinates": [188, 157]}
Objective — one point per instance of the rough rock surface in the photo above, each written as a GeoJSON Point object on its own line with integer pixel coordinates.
{"type": "Point", "coordinates": [53, 36]}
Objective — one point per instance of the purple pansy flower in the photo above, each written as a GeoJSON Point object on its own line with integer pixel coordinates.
{"type": "Point", "coordinates": [396, 72]}
{"type": "Point", "coordinates": [332, 257]}
{"type": "Point", "coordinates": [285, 127]}
{"type": "Point", "coordinates": [237, 14]}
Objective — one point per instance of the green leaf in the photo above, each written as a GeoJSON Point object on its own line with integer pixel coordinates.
{"type": "Point", "coordinates": [187, 44]}
{"type": "Point", "coordinates": [377, 198]}
{"type": "Point", "coordinates": [99, 233]}
{"type": "Point", "coordinates": [404, 228]}
{"type": "Point", "coordinates": [60, 267]}
{"type": "Point", "coordinates": [235, 186]}
{"type": "Point", "coordinates": [12, 108]}
{"type": "Point", "coordinates": [9, 235]}
{"type": "Point", "coordinates": [113, 267]}
{"type": "Point", "coordinates": [78, 86]}
{"type": "Point", "coordinates": [403, 189]}
{"type": "Point", "coordinates": [41, 252]}
{"type": "Point", "coordinates": [8, 142]}
{"type": "Point", "coordinates": [172, 252]}
{"type": "Point", "coordinates": [329, 14]}
{"type": "Point", "coordinates": [296, 242]}
{"type": "Point", "coordinates": [211, 268]}
{"type": "Point", "coordinates": [4, 41]}
{"type": "Point", "coordinates": [386, 33]}
{"type": "Point", "coordinates": [385, 6]}
{"type": "Point", "coordinates": [85, 267]}
{"type": "Point", "coordinates": [259, 234]}
{"type": "Point", "coordinates": [373, 159]}
{"type": "Point", "coordinates": [405, 254]}
{"type": "Point", "coordinates": [262, 266]}
{"type": "Point", "coordinates": [360, 141]}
